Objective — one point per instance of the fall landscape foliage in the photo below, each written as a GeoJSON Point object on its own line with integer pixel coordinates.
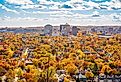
{"type": "Point", "coordinates": [33, 58]}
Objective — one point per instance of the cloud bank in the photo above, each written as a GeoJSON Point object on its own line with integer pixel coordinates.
{"type": "Point", "coordinates": [41, 12]}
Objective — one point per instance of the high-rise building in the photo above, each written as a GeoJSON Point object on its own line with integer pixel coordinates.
{"type": "Point", "coordinates": [119, 30]}
{"type": "Point", "coordinates": [48, 29]}
{"type": "Point", "coordinates": [93, 30]}
{"type": "Point", "coordinates": [55, 31]}
{"type": "Point", "coordinates": [75, 30]}
{"type": "Point", "coordinates": [65, 29]}
{"type": "Point", "coordinates": [110, 30]}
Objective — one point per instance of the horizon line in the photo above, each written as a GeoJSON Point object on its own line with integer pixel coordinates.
{"type": "Point", "coordinates": [54, 26]}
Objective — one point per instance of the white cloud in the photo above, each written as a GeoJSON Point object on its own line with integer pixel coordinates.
{"type": "Point", "coordinates": [28, 21]}
{"type": "Point", "coordinates": [76, 1]}
{"type": "Point", "coordinates": [116, 17]}
{"type": "Point", "coordinates": [48, 2]}
{"type": "Point", "coordinates": [75, 4]}
{"type": "Point", "coordinates": [32, 7]}
{"type": "Point", "coordinates": [49, 12]}
{"type": "Point", "coordinates": [92, 4]}
{"type": "Point", "coordinates": [8, 10]}
{"type": "Point", "coordinates": [116, 5]}
{"type": "Point", "coordinates": [20, 1]}
{"type": "Point", "coordinates": [96, 13]}
{"type": "Point", "coordinates": [28, 6]}
{"type": "Point", "coordinates": [61, 15]}
{"type": "Point", "coordinates": [1, 5]}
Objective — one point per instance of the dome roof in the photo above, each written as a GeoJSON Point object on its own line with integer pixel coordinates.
{"type": "Point", "coordinates": [48, 25]}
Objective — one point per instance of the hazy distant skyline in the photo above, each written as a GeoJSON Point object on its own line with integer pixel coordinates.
{"type": "Point", "coordinates": [75, 12]}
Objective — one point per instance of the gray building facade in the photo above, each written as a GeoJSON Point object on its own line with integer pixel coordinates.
{"type": "Point", "coordinates": [48, 29]}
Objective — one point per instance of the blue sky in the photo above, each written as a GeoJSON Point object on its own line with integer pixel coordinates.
{"type": "Point", "coordinates": [56, 12]}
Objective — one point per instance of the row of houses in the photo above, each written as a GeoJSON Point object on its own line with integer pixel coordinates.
{"type": "Point", "coordinates": [64, 30]}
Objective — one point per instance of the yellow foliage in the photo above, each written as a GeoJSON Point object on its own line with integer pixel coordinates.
{"type": "Point", "coordinates": [66, 80]}
{"type": "Point", "coordinates": [106, 68]}
{"type": "Point", "coordinates": [89, 74]}
{"type": "Point", "coordinates": [10, 52]}
{"type": "Point", "coordinates": [71, 68]}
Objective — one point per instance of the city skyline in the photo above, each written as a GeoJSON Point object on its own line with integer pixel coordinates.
{"type": "Point", "coordinates": [75, 12]}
